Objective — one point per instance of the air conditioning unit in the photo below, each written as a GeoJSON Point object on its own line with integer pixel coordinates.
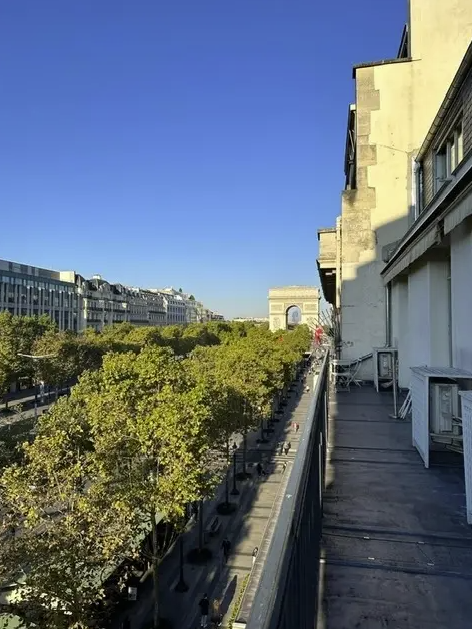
{"type": "Point", "coordinates": [443, 406]}
{"type": "Point", "coordinates": [385, 365]}
{"type": "Point", "coordinates": [384, 362]}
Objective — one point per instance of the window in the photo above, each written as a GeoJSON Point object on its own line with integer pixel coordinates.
{"type": "Point", "coordinates": [448, 156]}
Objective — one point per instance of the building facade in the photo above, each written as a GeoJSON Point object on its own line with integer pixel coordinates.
{"type": "Point", "coordinates": [76, 303]}
{"type": "Point", "coordinates": [396, 102]}
{"type": "Point", "coordinates": [429, 273]}
{"type": "Point", "coordinates": [104, 304]}
{"type": "Point", "coordinates": [32, 291]}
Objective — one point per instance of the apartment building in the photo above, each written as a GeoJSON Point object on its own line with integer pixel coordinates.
{"type": "Point", "coordinates": [174, 305]}
{"type": "Point", "coordinates": [216, 316]}
{"type": "Point", "coordinates": [396, 101]}
{"type": "Point", "coordinates": [76, 303]}
{"type": "Point", "coordinates": [429, 273]}
{"type": "Point", "coordinates": [184, 308]}
{"type": "Point", "coordinates": [32, 291]}
{"type": "Point", "coordinates": [104, 304]}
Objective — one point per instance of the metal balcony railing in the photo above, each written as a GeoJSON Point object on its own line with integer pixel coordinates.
{"type": "Point", "coordinates": [287, 595]}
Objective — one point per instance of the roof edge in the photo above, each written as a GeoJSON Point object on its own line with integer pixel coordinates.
{"type": "Point", "coordinates": [381, 62]}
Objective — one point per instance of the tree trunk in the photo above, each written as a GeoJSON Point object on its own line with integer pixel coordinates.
{"type": "Point", "coordinates": [244, 450]}
{"type": "Point", "coordinates": [200, 526]}
{"type": "Point", "coordinates": [227, 473]}
{"type": "Point", "coordinates": [155, 569]}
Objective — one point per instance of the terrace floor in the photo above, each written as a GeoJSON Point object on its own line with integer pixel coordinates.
{"type": "Point", "coordinates": [397, 551]}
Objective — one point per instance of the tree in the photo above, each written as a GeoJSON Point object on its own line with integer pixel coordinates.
{"type": "Point", "coordinates": [68, 355]}
{"type": "Point", "coordinates": [172, 337]}
{"type": "Point", "coordinates": [242, 371]}
{"type": "Point", "coordinates": [145, 335]}
{"type": "Point", "coordinates": [67, 533]}
{"type": "Point", "coordinates": [224, 403]}
{"type": "Point", "coordinates": [150, 423]}
{"type": "Point", "coordinates": [17, 336]}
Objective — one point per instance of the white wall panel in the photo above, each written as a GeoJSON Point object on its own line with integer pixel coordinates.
{"type": "Point", "coordinates": [428, 315]}
{"type": "Point", "coordinates": [461, 296]}
{"type": "Point", "coordinates": [400, 329]}
{"type": "Point", "coordinates": [419, 317]}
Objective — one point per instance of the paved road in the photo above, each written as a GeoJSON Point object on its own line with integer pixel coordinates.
{"type": "Point", "coordinates": [22, 408]}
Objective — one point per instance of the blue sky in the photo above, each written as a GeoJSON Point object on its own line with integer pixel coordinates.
{"type": "Point", "coordinates": [193, 143]}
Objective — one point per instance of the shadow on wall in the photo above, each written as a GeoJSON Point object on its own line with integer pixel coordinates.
{"type": "Point", "coordinates": [363, 297]}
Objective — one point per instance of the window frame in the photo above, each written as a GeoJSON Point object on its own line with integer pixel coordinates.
{"type": "Point", "coordinates": [450, 148]}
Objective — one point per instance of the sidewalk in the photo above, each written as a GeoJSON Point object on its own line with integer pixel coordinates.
{"type": "Point", "coordinates": [15, 415]}
{"type": "Point", "coordinates": [250, 526]}
{"type": "Point", "coordinates": [9, 420]}
{"type": "Point", "coordinates": [26, 399]}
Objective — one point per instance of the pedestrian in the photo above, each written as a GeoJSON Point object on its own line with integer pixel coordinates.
{"type": "Point", "coordinates": [226, 547]}
{"type": "Point", "coordinates": [254, 555]}
{"type": "Point", "coordinates": [287, 447]}
{"type": "Point", "coordinates": [204, 605]}
{"type": "Point", "coordinates": [259, 469]}
{"type": "Point", "coordinates": [307, 389]}
{"type": "Point", "coordinates": [297, 427]}
{"type": "Point", "coordinates": [284, 466]}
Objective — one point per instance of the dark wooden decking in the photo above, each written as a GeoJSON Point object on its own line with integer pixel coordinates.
{"type": "Point", "coordinates": [397, 549]}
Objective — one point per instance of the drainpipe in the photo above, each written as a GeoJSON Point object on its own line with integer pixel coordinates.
{"type": "Point", "coordinates": [388, 315]}
{"type": "Point", "coordinates": [417, 189]}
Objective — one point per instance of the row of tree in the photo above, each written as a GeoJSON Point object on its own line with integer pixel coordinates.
{"type": "Point", "coordinates": [69, 354]}
{"type": "Point", "coordinates": [134, 444]}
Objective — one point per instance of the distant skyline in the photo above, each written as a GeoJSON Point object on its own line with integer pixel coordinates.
{"type": "Point", "coordinates": [183, 143]}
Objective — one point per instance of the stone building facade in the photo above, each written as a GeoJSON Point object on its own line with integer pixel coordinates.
{"type": "Point", "coordinates": [429, 273]}
{"type": "Point", "coordinates": [76, 303]}
{"type": "Point", "coordinates": [396, 101]}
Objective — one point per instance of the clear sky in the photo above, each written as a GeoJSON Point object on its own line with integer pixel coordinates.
{"type": "Point", "coordinates": [193, 143]}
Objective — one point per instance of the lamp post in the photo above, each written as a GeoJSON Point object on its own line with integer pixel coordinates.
{"type": "Point", "coordinates": [181, 585]}
{"type": "Point", "coordinates": [234, 491]}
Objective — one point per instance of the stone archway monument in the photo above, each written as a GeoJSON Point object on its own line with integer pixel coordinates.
{"type": "Point", "coordinates": [282, 298]}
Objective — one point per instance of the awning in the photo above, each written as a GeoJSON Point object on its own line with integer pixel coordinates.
{"type": "Point", "coordinates": [414, 251]}
{"type": "Point", "coordinates": [460, 211]}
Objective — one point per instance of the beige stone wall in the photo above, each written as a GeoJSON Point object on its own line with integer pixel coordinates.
{"type": "Point", "coordinates": [395, 106]}
{"type": "Point", "coordinates": [440, 34]}
{"type": "Point", "coordinates": [327, 246]}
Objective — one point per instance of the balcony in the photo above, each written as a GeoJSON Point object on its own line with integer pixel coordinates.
{"type": "Point", "coordinates": [327, 262]}
{"type": "Point", "coordinates": [384, 544]}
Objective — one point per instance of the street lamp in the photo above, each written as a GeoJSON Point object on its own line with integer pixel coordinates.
{"type": "Point", "coordinates": [234, 491]}
{"type": "Point", "coordinates": [181, 585]}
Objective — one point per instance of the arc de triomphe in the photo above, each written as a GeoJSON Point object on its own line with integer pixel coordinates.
{"type": "Point", "coordinates": [307, 298]}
